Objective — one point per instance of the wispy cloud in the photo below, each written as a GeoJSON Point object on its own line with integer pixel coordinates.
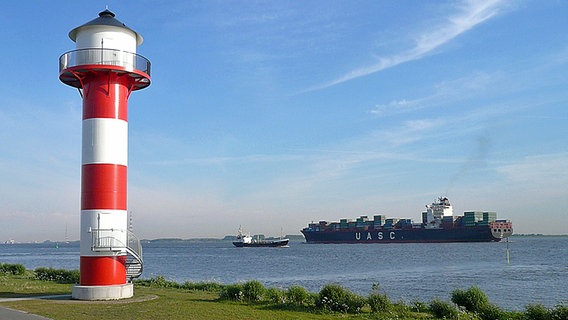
{"type": "Point", "coordinates": [403, 104]}
{"type": "Point", "coordinates": [213, 161]}
{"type": "Point", "coordinates": [471, 14]}
{"type": "Point", "coordinates": [446, 92]}
{"type": "Point", "coordinates": [538, 170]}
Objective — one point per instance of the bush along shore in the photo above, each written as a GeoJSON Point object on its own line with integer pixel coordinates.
{"type": "Point", "coordinates": [45, 274]}
{"type": "Point", "coordinates": [464, 304]}
{"type": "Point", "coordinates": [471, 303]}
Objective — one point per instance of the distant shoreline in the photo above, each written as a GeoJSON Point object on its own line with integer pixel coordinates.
{"type": "Point", "coordinates": [292, 237]}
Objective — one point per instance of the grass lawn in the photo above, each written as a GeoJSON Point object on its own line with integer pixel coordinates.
{"type": "Point", "coordinates": [149, 303]}
{"type": "Point", "coordinates": [158, 299]}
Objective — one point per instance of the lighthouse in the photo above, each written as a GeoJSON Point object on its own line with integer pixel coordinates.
{"type": "Point", "coordinates": [106, 69]}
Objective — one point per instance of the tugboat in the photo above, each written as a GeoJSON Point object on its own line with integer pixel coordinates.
{"type": "Point", "coordinates": [245, 240]}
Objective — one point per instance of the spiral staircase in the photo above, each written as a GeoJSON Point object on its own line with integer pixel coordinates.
{"type": "Point", "coordinates": [105, 240]}
{"type": "Point", "coordinates": [134, 263]}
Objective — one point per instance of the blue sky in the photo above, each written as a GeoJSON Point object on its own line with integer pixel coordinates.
{"type": "Point", "coordinates": [273, 114]}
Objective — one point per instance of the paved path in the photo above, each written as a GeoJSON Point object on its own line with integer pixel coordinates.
{"type": "Point", "coordinates": [51, 297]}
{"type": "Point", "coordinates": [11, 314]}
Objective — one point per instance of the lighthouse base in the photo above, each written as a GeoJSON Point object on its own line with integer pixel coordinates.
{"type": "Point", "coordinates": [113, 292]}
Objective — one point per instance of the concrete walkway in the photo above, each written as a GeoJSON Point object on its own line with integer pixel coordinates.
{"type": "Point", "coordinates": [11, 314]}
{"type": "Point", "coordinates": [51, 297]}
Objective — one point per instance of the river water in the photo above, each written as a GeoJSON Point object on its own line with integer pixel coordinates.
{"type": "Point", "coordinates": [537, 271]}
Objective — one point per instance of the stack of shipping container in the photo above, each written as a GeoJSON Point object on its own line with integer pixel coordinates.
{"type": "Point", "coordinates": [478, 218]}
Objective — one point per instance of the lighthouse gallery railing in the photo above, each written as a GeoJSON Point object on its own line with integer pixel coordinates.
{"type": "Point", "coordinates": [100, 56]}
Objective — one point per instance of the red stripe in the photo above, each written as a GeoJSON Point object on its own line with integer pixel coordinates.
{"type": "Point", "coordinates": [106, 95]}
{"type": "Point", "coordinates": [102, 271]}
{"type": "Point", "coordinates": [103, 186]}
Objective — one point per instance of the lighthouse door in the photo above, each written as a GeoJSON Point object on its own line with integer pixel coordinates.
{"type": "Point", "coordinates": [116, 53]}
{"type": "Point", "coordinates": [108, 55]}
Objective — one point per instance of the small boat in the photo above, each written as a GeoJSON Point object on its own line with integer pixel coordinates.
{"type": "Point", "coordinates": [245, 240]}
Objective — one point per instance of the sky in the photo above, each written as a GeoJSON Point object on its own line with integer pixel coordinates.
{"type": "Point", "coordinates": [274, 114]}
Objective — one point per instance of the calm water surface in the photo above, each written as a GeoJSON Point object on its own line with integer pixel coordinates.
{"type": "Point", "coordinates": [537, 272]}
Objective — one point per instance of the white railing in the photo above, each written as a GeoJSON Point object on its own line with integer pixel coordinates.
{"type": "Point", "coordinates": [134, 263]}
{"type": "Point", "coordinates": [130, 61]}
{"type": "Point", "coordinates": [134, 246]}
{"type": "Point", "coordinates": [107, 240]}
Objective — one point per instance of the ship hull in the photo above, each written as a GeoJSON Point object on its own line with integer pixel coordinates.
{"type": "Point", "coordinates": [415, 235]}
{"type": "Point", "coordinates": [275, 243]}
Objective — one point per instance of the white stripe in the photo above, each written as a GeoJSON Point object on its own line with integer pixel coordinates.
{"type": "Point", "coordinates": [104, 224]}
{"type": "Point", "coordinates": [105, 141]}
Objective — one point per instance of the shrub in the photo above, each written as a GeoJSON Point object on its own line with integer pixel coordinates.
{"type": "Point", "coordinates": [161, 282]}
{"type": "Point", "coordinates": [401, 309]}
{"type": "Point", "coordinates": [232, 292]}
{"type": "Point", "coordinates": [419, 306]}
{"type": "Point", "coordinates": [492, 312]}
{"type": "Point", "coordinates": [202, 286]}
{"type": "Point", "coordinates": [334, 297]}
{"type": "Point", "coordinates": [297, 295]}
{"type": "Point", "coordinates": [472, 299]}
{"type": "Point", "coordinates": [253, 290]}
{"type": "Point", "coordinates": [15, 269]}
{"type": "Point", "coordinates": [313, 297]}
{"type": "Point", "coordinates": [443, 310]}
{"type": "Point", "coordinates": [379, 302]}
{"type": "Point", "coordinates": [537, 312]}
{"type": "Point", "coordinates": [274, 295]}
{"type": "Point", "coordinates": [57, 275]}
{"type": "Point", "coordinates": [560, 312]}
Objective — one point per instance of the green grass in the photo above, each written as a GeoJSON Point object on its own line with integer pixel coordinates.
{"type": "Point", "coordinates": [26, 285]}
{"type": "Point", "coordinates": [169, 304]}
{"type": "Point", "coordinates": [151, 303]}
{"type": "Point", "coordinates": [159, 299]}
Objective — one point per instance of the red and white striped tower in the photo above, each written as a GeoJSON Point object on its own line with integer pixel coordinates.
{"type": "Point", "coordinates": [106, 69]}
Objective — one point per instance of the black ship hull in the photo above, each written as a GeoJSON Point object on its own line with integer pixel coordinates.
{"type": "Point", "coordinates": [273, 243]}
{"type": "Point", "coordinates": [415, 235]}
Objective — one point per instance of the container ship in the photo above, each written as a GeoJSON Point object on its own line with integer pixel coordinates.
{"type": "Point", "coordinates": [438, 225]}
